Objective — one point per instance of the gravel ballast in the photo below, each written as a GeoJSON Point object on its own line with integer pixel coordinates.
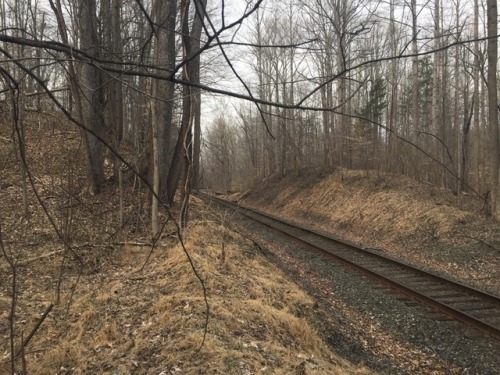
{"type": "Point", "coordinates": [371, 324]}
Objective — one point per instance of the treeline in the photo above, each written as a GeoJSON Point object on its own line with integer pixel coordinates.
{"type": "Point", "coordinates": [404, 87]}
{"type": "Point", "coordinates": [398, 87]}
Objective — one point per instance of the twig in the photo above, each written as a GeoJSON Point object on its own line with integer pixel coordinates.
{"type": "Point", "coordinates": [33, 331]}
{"type": "Point", "coordinates": [31, 260]}
{"type": "Point", "coordinates": [23, 356]}
{"type": "Point", "coordinates": [122, 243]}
{"type": "Point", "coordinates": [157, 237]}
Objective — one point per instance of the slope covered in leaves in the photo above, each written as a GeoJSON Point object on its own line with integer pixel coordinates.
{"type": "Point", "coordinates": [124, 320]}
{"type": "Point", "coordinates": [111, 316]}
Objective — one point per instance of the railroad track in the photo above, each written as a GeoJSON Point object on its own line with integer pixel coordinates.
{"type": "Point", "coordinates": [471, 306]}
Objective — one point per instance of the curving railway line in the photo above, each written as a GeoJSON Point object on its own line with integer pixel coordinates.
{"type": "Point", "coordinates": [469, 305]}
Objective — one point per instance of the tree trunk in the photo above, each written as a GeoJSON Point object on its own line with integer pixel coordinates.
{"type": "Point", "coordinates": [326, 128]}
{"type": "Point", "coordinates": [436, 87]}
{"type": "Point", "coordinates": [195, 78]}
{"type": "Point", "coordinates": [92, 116]}
{"type": "Point", "coordinates": [393, 102]}
{"type": "Point", "coordinates": [476, 98]}
{"type": "Point", "coordinates": [492, 107]}
{"type": "Point", "coordinates": [464, 165]}
{"type": "Point", "coordinates": [414, 83]}
{"type": "Point", "coordinates": [164, 14]}
{"type": "Point", "coordinates": [116, 99]}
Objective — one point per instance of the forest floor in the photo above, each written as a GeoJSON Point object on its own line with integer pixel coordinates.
{"type": "Point", "coordinates": [117, 309]}
{"type": "Point", "coordinates": [123, 319]}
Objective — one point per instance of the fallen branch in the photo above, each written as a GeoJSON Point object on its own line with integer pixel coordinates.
{"type": "Point", "coordinates": [132, 243]}
{"type": "Point", "coordinates": [33, 331]}
{"type": "Point", "coordinates": [489, 245]}
{"type": "Point", "coordinates": [31, 260]}
{"type": "Point", "coordinates": [48, 255]}
{"type": "Point", "coordinates": [244, 195]}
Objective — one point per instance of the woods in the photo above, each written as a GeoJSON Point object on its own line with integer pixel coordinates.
{"type": "Point", "coordinates": [398, 88]}
{"type": "Point", "coordinates": [112, 113]}
{"type": "Point", "coordinates": [405, 88]}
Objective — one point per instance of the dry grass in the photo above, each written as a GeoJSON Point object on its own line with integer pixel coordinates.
{"type": "Point", "coordinates": [412, 220]}
{"type": "Point", "coordinates": [393, 205]}
{"type": "Point", "coordinates": [123, 321]}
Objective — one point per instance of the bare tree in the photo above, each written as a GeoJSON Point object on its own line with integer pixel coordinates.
{"type": "Point", "coordinates": [91, 88]}
{"type": "Point", "coordinates": [493, 107]}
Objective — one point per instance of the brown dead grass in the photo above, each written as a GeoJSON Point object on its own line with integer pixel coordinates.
{"type": "Point", "coordinates": [394, 205]}
{"type": "Point", "coordinates": [416, 221]}
{"type": "Point", "coordinates": [125, 321]}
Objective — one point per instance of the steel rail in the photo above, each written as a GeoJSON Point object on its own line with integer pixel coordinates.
{"type": "Point", "coordinates": [464, 303]}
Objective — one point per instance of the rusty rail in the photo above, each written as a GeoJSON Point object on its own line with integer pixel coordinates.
{"type": "Point", "coordinates": [469, 305]}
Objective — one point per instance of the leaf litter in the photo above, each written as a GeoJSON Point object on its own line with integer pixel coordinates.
{"type": "Point", "coordinates": [111, 316]}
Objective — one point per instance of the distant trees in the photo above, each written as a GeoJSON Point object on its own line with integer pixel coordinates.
{"type": "Point", "coordinates": [399, 87]}
{"type": "Point", "coordinates": [220, 154]}
{"type": "Point", "coordinates": [373, 110]}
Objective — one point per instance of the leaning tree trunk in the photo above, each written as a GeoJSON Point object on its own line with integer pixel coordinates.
{"type": "Point", "coordinates": [182, 159]}
{"type": "Point", "coordinates": [181, 151]}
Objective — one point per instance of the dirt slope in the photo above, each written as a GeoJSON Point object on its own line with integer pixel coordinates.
{"type": "Point", "coordinates": [114, 318]}
{"type": "Point", "coordinates": [411, 220]}
{"type": "Point", "coordinates": [126, 321]}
